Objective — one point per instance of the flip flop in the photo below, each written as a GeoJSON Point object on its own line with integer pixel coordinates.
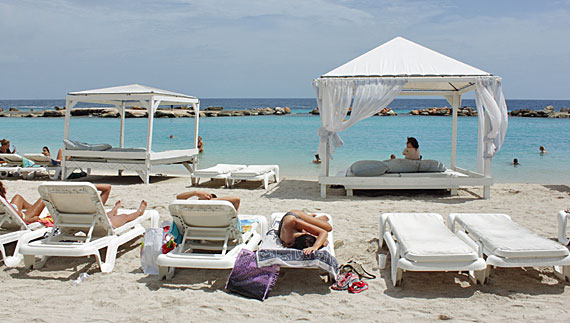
{"type": "Point", "coordinates": [345, 281]}
{"type": "Point", "coordinates": [358, 287]}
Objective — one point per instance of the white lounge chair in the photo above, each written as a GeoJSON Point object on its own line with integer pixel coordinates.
{"type": "Point", "coordinates": [14, 166]}
{"type": "Point", "coordinates": [84, 227]}
{"type": "Point", "coordinates": [272, 252]}
{"type": "Point", "coordinates": [256, 173]}
{"type": "Point", "coordinates": [422, 242]}
{"type": "Point", "coordinates": [13, 228]}
{"type": "Point", "coordinates": [46, 162]}
{"type": "Point", "coordinates": [507, 244]}
{"type": "Point", "coordinates": [220, 171]}
{"type": "Point", "coordinates": [211, 236]}
{"type": "Point", "coordinates": [562, 227]}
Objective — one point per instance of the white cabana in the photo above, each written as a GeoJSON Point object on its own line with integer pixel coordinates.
{"type": "Point", "coordinates": [121, 158]}
{"type": "Point", "coordinates": [371, 81]}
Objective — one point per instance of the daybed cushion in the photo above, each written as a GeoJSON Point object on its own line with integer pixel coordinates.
{"type": "Point", "coordinates": [401, 165]}
{"type": "Point", "coordinates": [77, 145]}
{"type": "Point", "coordinates": [424, 238]}
{"type": "Point", "coordinates": [366, 168]}
{"type": "Point", "coordinates": [254, 170]}
{"type": "Point", "coordinates": [506, 238]}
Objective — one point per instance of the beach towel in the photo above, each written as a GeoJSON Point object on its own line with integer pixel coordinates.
{"type": "Point", "coordinates": [249, 280]}
{"type": "Point", "coordinates": [272, 252]}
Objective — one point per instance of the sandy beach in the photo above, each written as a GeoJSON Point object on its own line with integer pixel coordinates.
{"type": "Point", "coordinates": [129, 295]}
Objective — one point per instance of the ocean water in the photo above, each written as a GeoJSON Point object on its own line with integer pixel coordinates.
{"type": "Point", "coordinates": [291, 140]}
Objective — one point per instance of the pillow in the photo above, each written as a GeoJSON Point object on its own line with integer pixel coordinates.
{"type": "Point", "coordinates": [366, 168]}
{"type": "Point", "coordinates": [401, 165]}
{"type": "Point", "coordinates": [77, 145]}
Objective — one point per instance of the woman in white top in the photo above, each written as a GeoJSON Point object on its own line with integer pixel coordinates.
{"type": "Point", "coordinates": [412, 150]}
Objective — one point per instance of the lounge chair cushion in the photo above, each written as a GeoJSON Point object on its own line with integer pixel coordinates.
{"type": "Point", "coordinates": [424, 238]}
{"type": "Point", "coordinates": [254, 170]}
{"type": "Point", "coordinates": [219, 169]}
{"type": "Point", "coordinates": [366, 168]}
{"type": "Point", "coordinates": [506, 238]}
{"type": "Point", "coordinates": [77, 145]}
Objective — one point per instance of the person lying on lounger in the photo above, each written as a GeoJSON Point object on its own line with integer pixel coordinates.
{"type": "Point", "coordinates": [307, 232]}
{"type": "Point", "coordinates": [118, 220]}
{"type": "Point", "coordinates": [203, 195]}
{"type": "Point", "coordinates": [57, 160]}
{"type": "Point", "coordinates": [29, 212]}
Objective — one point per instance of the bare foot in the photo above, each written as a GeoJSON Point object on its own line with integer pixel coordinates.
{"type": "Point", "coordinates": [118, 204]}
{"type": "Point", "coordinates": [143, 206]}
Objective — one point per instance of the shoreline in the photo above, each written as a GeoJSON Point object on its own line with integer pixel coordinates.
{"type": "Point", "coordinates": [301, 294]}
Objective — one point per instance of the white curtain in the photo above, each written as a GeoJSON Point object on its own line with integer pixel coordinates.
{"type": "Point", "coordinates": [335, 96]}
{"type": "Point", "coordinates": [493, 117]}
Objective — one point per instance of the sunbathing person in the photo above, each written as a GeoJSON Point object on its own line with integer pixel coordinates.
{"type": "Point", "coordinates": [203, 195]}
{"type": "Point", "coordinates": [5, 147]}
{"type": "Point", "coordinates": [55, 162]}
{"type": "Point", "coordinates": [303, 231]}
{"type": "Point", "coordinates": [118, 220]}
{"type": "Point", "coordinates": [412, 150]}
{"type": "Point", "coordinates": [30, 213]}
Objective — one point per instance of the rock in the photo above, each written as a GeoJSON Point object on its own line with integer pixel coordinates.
{"type": "Point", "coordinates": [415, 112]}
{"type": "Point", "coordinates": [1, 110]}
{"type": "Point", "coordinates": [279, 111]}
{"type": "Point", "coordinates": [135, 114]}
{"type": "Point", "coordinates": [214, 108]}
{"type": "Point", "coordinates": [237, 113]}
{"type": "Point", "coordinates": [53, 113]}
{"type": "Point", "coordinates": [424, 113]}
{"type": "Point", "coordinates": [211, 113]}
{"type": "Point", "coordinates": [287, 110]}
{"type": "Point", "coordinates": [246, 112]}
{"type": "Point", "coordinates": [549, 109]}
{"type": "Point", "coordinates": [315, 111]}
{"type": "Point", "coordinates": [564, 110]}
{"type": "Point", "coordinates": [164, 114]}
{"type": "Point", "coordinates": [224, 114]}
{"type": "Point", "coordinates": [57, 108]}
{"type": "Point", "coordinates": [109, 114]}
{"type": "Point", "coordinates": [202, 114]}
{"type": "Point", "coordinates": [13, 109]}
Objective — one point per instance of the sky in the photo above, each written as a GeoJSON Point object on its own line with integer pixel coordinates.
{"type": "Point", "coordinates": [268, 48]}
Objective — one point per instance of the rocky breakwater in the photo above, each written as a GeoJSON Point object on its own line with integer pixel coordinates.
{"type": "Point", "coordinates": [547, 112]}
{"type": "Point", "coordinates": [384, 112]}
{"type": "Point", "coordinates": [136, 112]}
{"type": "Point", "coordinates": [444, 111]}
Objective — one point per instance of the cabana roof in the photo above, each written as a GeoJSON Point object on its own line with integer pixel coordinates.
{"type": "Point", "coordinates": [425, 69]}
{"type": "Point", "coordinates": [131, 92]}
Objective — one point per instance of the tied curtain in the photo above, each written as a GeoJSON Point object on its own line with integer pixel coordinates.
{"type": "Point", "coordinates": [335, 96]}
{"type": "Point", "coordinates": [493, 118]}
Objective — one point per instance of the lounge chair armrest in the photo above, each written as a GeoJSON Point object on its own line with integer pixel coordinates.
{"type": "Point", "coordinates": [451, 222]}
{"type": "Point", "coordinates": [563, 227]}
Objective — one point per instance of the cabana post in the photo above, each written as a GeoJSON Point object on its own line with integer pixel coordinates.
{"type": "Point", "coordinates": [368, 83]}
{"type": "Point", "coordinates": [139, 160]}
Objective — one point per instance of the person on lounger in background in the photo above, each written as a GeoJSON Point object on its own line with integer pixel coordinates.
{"type": "Point", "coordinates": [203, 195]}
{"type": "Point", "coordinates": [5, 147]}
{"type": "Point", "coordinates": [117, 219]}
{"type": "Point", "coordinates": [307, 232]}
{"type": "Point", "coordinates": [412, 150]}
{"type": "Point", "coordinates": [30, 213]}
{"type": "Point", "coordinates": [57, 161]}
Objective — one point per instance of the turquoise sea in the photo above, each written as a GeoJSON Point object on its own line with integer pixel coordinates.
{"type": "Point", "coordinates": [291, 140]}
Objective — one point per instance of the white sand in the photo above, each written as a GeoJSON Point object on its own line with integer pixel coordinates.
{"type": "Point", "coordinates": [127, 294]}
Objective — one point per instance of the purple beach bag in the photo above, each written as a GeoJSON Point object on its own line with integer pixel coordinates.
{"type": "Point", "coordinates": [249, 280]}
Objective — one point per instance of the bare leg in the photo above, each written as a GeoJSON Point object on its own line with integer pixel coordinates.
{"type": "Point", "coordinates": [32, 213]}
{"type": "Point", "coordinates": [20, 202]}
{"type": "Point", "coordinates": [120, 219]}
{"type": "Point", "coordinates": [59, 155]}
{"type": "Point", "coordinates": [105, 191]}
{"type": "Point", "coordinates": [114, 210]}
{"type": "Point", "coordinates": [232, 199]}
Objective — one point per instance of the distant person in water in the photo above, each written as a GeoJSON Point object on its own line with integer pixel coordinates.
{"type": "Point", "coordinates": [412, 150]}
{"type": "Point", "coordinates": [515, 162]}
{"type": "Point", "coordinates": [542, 150]}
{"type": "Point", "coordinates": [392, 156]}
{"type": "Point", "coordinates": [203, 195]}
{"type": "Point", "coordinates": [317, 159]}
{"type": "Point", "coordinates": [200, 145]}
{"type": "Point", "coordinates": [57, 160]}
